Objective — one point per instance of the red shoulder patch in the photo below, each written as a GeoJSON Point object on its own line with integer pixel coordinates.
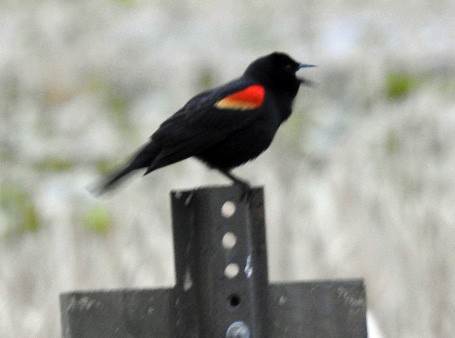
{"type": "Point", "coordinates": [248, 98]}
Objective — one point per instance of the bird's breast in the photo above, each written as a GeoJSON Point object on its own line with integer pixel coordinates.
{"type": "Point", "coordinates": [240, 146]}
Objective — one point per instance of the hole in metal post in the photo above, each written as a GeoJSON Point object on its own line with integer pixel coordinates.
{"type": "Point", "coordinates": [234, 300]}
{"type": "Point", "coordinates": [231, 270]}
{"type": "Point", "coordinates": [228, 209]}
{"type": "Point", "coordinates": [229, 240]}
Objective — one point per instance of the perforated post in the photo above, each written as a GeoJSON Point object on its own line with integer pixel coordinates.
{"type": "Point", "coordinates": [221, 260]}
{"type": "Point", "coordinates": [222, 287]}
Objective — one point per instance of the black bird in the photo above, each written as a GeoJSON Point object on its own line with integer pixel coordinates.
{"type": "Point", "coordinates": [224, 127]}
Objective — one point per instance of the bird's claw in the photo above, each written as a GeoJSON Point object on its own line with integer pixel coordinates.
{"type": "Point", "coordinates": [246, 192]}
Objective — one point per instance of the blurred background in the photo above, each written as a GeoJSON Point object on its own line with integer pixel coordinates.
{"type": "Point", "coordinates": [358, 183]}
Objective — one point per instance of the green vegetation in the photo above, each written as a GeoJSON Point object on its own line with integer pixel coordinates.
{"type": "Point", "coordinates": [30, 218]}
{"type": "Point", "coordinates": [125, 3]}
{"type": "Point", "coordinates": [20, 209]}
{"type": "Point", "coordinates": [392, 142]}
{"type": "Point", "coordinates": [298, 127]}
{"type": "Point", "coordinates": [6, 155]}
{"type": "Point", "coordinates": [52, 164]}
{"type": "Point", "coordinates": [118, 107]}
{"type": "Point", "coordinates": [105, 166]}
{"type": "Point", "coordinates": [399, 85]}
{"type": "Point", "coordinates": [116, 102]}
{"type": "Point", "coordinates": [97, 219]}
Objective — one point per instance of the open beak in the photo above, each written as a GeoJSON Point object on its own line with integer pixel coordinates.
{"type": "Point", "coordinates": [305, 65]}
{"type": "Point", "coordinates": [302, 80]}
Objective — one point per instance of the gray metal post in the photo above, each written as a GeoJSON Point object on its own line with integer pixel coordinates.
{"type": "Point", "coordinates": [222, 287]}
{"type": "Point", "coordinates": [221, 261]}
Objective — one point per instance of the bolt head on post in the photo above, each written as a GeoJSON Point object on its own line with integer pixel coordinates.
{"type": "Point", "coordinates": [238, 330]}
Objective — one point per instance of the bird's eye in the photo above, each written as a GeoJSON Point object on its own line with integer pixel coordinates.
{"type": "Point", "coordinates": [288, 67]}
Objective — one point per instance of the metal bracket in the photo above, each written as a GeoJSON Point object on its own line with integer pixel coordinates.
{"type": "Point", "coordinates": [222, 287]}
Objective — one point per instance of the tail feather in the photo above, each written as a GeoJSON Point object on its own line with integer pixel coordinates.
{"type": "Point", "coordinates": [112, 180]}
{"type": "Point", "coordinates": [141, 159]}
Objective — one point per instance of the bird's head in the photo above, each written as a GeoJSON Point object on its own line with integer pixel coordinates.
{"type": "Point", "coordinates": [278, 71]}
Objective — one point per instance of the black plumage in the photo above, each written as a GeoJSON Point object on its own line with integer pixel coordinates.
{"type": "Point", "coordinates": [224, 127]}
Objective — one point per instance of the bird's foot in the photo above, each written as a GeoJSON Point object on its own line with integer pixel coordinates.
{"type": "Point", "coordinates": [246, 191]}
{"type": "Point", "coordinates": [245, 188]}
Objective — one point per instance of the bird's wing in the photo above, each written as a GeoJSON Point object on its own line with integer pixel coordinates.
{"type": "Point", "coordinates": [206, 120]}
{"type": "Point", "coordinates": [213, 114]}
{"type": "Point", "coordinates": [227, 108]}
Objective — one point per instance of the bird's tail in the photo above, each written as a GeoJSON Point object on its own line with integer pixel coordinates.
{"type": "Point", "coordinates": [142, 159]}
{"type": "Point", "coordinates": [111, 181]}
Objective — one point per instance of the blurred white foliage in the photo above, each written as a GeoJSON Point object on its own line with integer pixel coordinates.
{"type": "Point", "coordinates": [357, 184]}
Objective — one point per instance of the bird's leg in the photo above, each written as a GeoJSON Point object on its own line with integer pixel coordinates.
{"type": "Point", "coordinates": [244, 185]}
{"type": "Point", "coordinates": [235, 179]}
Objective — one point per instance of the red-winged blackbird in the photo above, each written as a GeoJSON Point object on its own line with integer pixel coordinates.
{"type": "Point", "coordinates": [224, 127]}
